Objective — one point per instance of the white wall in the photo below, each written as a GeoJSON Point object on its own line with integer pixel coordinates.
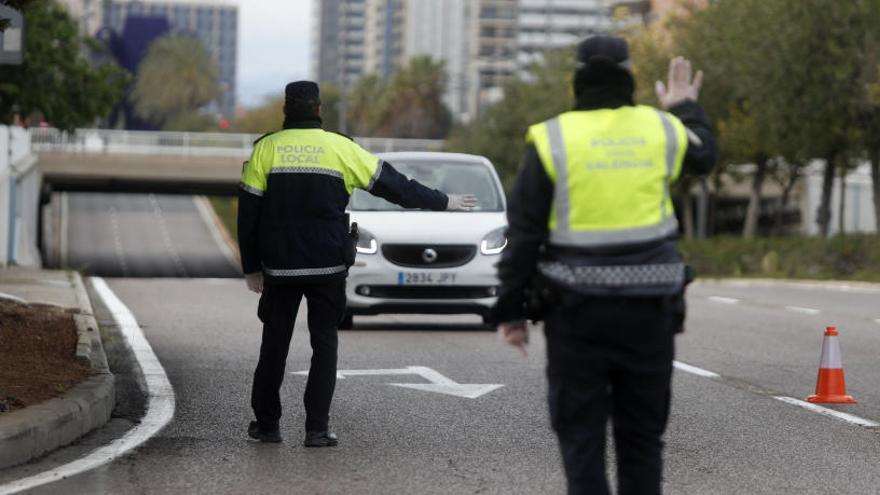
{"type": "Point", "coordinates": [20, 184]}
{"type": "Point", "coordinates": [859, 207]}
{"type": "Point", "coordinates": [4, 194]}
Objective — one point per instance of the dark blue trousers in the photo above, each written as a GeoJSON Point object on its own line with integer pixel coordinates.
{"type": "Point", "coordinates": [611, 357]}
{"type": "Point", "coordinates": [279, 305]}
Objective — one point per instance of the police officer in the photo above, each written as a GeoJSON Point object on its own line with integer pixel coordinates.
{"type": "Point", "coordinates": [294, 239]}
{"type": "Point", "coordinates": [592, 219]}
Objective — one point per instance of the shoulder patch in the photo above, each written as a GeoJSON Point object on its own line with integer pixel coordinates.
{"type": "Point", "coordinates": [264, 135]}
{"type": "Point", "coordinates": [346, 136]}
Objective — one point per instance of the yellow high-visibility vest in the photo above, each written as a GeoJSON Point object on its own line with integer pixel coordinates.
{"type": "Point", "coordinates": [612, 170]}
{"type": "Point", "coordinates": [309, 151]}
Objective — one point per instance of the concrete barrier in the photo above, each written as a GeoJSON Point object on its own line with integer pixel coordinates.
{"type": "Point", "coordinates": [20, 187]}
{"type": "Point", "coordinates": [35, 430]}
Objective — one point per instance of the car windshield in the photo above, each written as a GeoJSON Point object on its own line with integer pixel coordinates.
{"type": "Point", "coordinates": [449, 177]}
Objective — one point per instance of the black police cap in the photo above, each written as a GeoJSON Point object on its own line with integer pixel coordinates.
{"type": "Point", "coordinates": [602, 46]}
{"type": "Point", "coordinates": [302, 92]}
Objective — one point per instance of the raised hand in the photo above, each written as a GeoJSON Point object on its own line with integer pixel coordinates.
{"type": "Point", "coordinates": [682, 85]}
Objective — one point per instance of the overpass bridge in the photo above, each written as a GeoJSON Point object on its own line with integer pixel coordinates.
{"type": "Point", "coordinates": [102, 160]}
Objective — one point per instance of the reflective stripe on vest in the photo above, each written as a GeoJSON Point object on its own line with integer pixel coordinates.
{"type": "Point", "coordinates": [308, 170]}
{"type": "Point", "coordinates": [614, 276]}
{"type": "Point", "coordinates": [304, 272]}
{"type": "Point", "coordinates": [562, 233]}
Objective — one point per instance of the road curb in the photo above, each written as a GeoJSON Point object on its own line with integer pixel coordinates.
{"type": "Point", "coordinates": [841, 285]}
{"type": "Point", "coordinates": [33, 431]}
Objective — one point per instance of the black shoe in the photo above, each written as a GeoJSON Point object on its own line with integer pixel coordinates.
{"type": "Point", "coordinates": [268, 435]}
{"type": "Point", "coordinates": [320, 439]}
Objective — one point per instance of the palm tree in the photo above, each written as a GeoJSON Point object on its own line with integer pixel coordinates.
{"type": "Point", "coordinates": [177, 77]}
{"type": "Point", "coordinates": [416, 107]}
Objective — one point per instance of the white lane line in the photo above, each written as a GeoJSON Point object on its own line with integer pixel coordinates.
{"type": "Point", "coordinates": [801, 309]}
{"type": "Point", "coordinates": [723, 300]}
{"type": "Point", "coordinates": [876, 320]}
{"type": "Point", "coordinates": [166, 236]}
{"type": "Point", "coordinates": [694, 370]}
{"type": "Point", "coordinates": [117, 240]}
{"type": "Point", "coordinates": [160, 406]}
{"type": "Point", "coordinates": [849, 418]}
{"type": "Point", "coordinates": [209, 218]}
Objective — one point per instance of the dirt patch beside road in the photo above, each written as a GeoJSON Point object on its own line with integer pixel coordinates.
{"type": "Point", "coordinates": [37, 354]}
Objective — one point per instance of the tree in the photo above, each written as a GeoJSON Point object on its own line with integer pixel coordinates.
{"type": "Point", "coordinates": [15, 4]}
{"type": "Point", "coordinates": [269, 116]}
{"type": "Point", "coordinates": [781, 81]}
{"type": "Point", "coordinates": [262, 119]}
{"type": "Point", "coordinates": [499, 131]}
{"type": "Point", "coordinates": [368, 105]}
{"type": "Point", "coordinates": [177, 77]}
{"type": "Point", "coordinates": [55, 82]}
{"type": "Point", "coordinates": [409, 105]}
{"type": "Point", "coordinates": [869, 105]}
{"type": "Point", "coordinates": [415, 107]}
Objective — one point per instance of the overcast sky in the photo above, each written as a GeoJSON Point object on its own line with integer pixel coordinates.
{"type": "Point", "coordinates": [273, 47]}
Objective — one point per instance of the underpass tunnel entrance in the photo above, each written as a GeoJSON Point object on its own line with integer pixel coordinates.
{"type": "Point", "coordinates": [140, 234]}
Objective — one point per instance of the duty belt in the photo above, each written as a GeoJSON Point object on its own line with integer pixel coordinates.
{"type": "Point", "coordinates": [614, 276]}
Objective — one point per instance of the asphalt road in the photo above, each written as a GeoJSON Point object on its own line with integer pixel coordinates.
{"type": "Point", "coordinates": [727, 435]}
{"type": "Point", "coordinates": [141, 235]}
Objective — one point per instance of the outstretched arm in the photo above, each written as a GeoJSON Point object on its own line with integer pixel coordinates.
{"type": "Point", "coordinates": [396, 188]}
{"type": "Point", "coordinates": [379, 178]}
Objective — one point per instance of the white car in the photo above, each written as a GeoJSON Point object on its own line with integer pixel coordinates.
{"type": "Point", "coordinates": [415, 261]}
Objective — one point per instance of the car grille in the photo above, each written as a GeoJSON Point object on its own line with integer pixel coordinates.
{"type": "Point", "coordinates": [426, 292]}
{"type": "Point", "coordinates": [412, 255]}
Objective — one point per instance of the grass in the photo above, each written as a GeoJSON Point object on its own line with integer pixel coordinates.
{"type": "Point", "coordinates": [849, 257]}
{"type": "Point", "coordinates": [227, 210]}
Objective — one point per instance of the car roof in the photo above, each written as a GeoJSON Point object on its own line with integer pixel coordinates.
{"type": "Point", "coordinates": [434, 156]}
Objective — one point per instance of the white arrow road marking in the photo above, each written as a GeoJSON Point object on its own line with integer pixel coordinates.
{"type": "Point", "coordinates": [439, 383]}
{"type": "Point", "coordinates": [723, 300]}
{"type": "Point", "coordinates": [694, 370]}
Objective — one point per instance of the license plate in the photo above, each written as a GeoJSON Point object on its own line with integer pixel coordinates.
{"type": "Point", "coordinates": [425, 278]}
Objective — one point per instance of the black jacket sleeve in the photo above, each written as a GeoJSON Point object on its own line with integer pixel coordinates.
{"type": "Point", "coordinates": [393, 186]}
{"type": "Point", "coordinates": [702, 152]}
{"type": "Point", "coordinates": [528, 212]}
{"type": "Point", "coordinates": [249, 206]}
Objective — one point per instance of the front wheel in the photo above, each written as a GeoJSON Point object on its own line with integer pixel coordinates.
{"type": "Point", "coordinates": [347, 322]}
{"type": "Point", "coordinates": [489, 323]}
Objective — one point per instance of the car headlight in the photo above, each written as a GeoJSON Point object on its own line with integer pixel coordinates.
{"type": "Point", "coordinates": [366, 243]}
{"type": "Point", "coordinates": [494, 242]}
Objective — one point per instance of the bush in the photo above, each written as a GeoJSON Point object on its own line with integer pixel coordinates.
{"type": "Point", "coordinates": [848, 257]}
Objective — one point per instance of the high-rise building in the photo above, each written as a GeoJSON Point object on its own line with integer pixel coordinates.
{"type": "Point", "coordinates": [88, 14]}
{"type": "Point", "coordinates": [439, 29]}
{"type": "Point", "coordinates": [492, 38]}
{"type": "Point", "coordinates": [384, 36]}
{"type": "Point", "coordinates": [339, 39]}
{"type": "Point", "coordinates": [545, 24]}
{"type": "Point", "coordinates": [214, 22]}
{"type": "Point", "coordinates": [481, 42]}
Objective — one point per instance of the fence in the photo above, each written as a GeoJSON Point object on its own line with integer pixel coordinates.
{"type": "Point", "coordinates": [186, 143]}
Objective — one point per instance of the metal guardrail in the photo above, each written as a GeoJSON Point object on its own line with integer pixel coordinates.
{"type": "Point", "coordinates": [185, 143]}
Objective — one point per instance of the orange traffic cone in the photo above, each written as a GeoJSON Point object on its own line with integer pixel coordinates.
{"type": "Point", "coordinates": [830, 385]}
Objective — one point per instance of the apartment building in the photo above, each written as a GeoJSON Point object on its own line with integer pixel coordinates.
{"type": "Point", "coordinates": [384, 36]}
{"type": "Point", "coordinates": [339, 41]}
{"type": "Point", "coordinates": [547, 24]}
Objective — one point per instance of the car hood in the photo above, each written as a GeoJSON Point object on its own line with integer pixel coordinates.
{"type": "Point", "coordinates": [429, 227]}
